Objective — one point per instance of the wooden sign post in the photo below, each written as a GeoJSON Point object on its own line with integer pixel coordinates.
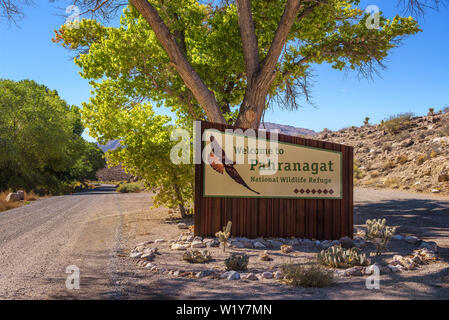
{"type": "Point", "coordinates": [272, 186]}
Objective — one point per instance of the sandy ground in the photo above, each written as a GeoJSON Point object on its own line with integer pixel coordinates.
{"type": "Point", "coordinates": [96, 231]}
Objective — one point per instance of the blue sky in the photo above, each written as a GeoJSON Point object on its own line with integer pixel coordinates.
{"type": "Point", "coordinates": [417, 75]}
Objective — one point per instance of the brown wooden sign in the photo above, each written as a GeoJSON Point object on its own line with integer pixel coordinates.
{"type": "Point", "coordinates": [272, 185]}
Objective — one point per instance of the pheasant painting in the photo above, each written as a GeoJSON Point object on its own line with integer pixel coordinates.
{"type": "Point", "coordinates": [220, 163]}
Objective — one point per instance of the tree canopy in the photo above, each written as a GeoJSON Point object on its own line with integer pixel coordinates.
{"type": "Point", "coordinates": [40, 139]}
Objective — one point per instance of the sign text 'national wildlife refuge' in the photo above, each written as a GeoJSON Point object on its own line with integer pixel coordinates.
{"type": "Point", "coordinates": [237, 165]}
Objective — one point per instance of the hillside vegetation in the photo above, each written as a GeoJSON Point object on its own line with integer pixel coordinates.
{"type": "Point", "coordinates": [402, 152]}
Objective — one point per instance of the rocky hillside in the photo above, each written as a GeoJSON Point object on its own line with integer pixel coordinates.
{"type": "Point", "coordinates": [405, 152]}
{"type": "Point", "coordinates": [286, 129]}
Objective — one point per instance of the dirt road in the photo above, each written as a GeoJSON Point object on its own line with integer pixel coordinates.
{"type": "Point", "coordinates": [95, 230]}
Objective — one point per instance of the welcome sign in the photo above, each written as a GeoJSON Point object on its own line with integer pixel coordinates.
{"type": "Point", "coordinates": [271, 185]}
{"type": "Point", "coordinates": [247, 166]}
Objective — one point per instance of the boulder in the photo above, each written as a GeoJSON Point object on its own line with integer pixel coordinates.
{"type": "Point", "coordinates": [233, 275]}
{"type": "Point", "coordinates": [412, 239]}
{"type": "Point", "coordinates": [251, 277]}
{"type": "Point", "coordinates": [259, 245]}
{"type": "Point", "coordinates": [12, 197]}
{"type": "Point", "coordinates": [21, 194]}
{"type": "Point", "coordinates": [198, 244]}
{"type": "Point", "coordinates": [267, 275]}
{"type": "Point", "coordinates": [346, 242]}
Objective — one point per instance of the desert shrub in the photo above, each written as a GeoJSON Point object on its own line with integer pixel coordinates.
{"type": "Point", "coordinates": [308, 275]}
{"type": "Point", "coordinates": [433, 154]}
{"type": "Point", "coordinates": [374, 174]}
{"type": "Point", "coordinates": [397, 123]}
{"type": "Point", "coordinates": [338, 257]}
{"type": "Point", "coordinates": [431, 110]}
{"type": "Point", "coordinates": [129, 188]}
{"type": "Point", "coordinates": [402, 159]}
{"type": "Point", "coordinates": [366, 121]}
{"type": "Point", "coordinates": [358, 173]}
{"type": "Point", "coordinates": [237, 262]}
{"type": "Point", "coordinates": [196, 256]}
{"type": "Point", "coordinates": [388, 165]}
{"type": "Point", "coordinates": [392, 182]}
{"type": "Point", "coordinates": [379, 233]}
{"type": "Point", "coordinates": [421, 159]}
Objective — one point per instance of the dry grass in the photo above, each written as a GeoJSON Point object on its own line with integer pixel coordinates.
{"type": "Point", "coordinates": [392, 182]}
{"type": "Point", "coordinates": [307, 275]}
{"type": "Point", "coordinates": [402, 159]}
{"type": "Point", "coordinates": [29, 196]}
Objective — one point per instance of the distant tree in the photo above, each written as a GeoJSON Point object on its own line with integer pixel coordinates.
{"type": "Point", "coordinates": [90, 161]}
{"type": "Point", "coordinates": [40, 137]}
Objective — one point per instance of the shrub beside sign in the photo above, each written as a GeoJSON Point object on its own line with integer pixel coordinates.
{"type": "Point", "coordinates": [289, 186]}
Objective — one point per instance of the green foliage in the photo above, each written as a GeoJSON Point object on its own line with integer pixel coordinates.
{"type": "Point", "coordinates": [338, 257]}
{"type": "Point", "coordinates": [309, 275]}
{"type": "Point", "coordinates": [40, 139]}
{"type": "Point", "coordinates": [366, 121]}
{"type": "Point", "coordinates": [224, 235]}
{"type": "Point", "coordinates": [379, 233]}
{"type": "Point", "coordinates": [196, 256]}
{"type": "Point", "coordinates": [237, 262]}
{"type": "Point", "coordinates": [397, 123]}
{"type": "Point", "coordinates": [358, 173]}
{"type": "Point", "coordinates": [129, 188]}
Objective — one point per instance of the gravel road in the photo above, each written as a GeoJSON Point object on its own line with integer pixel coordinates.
{"type": "Point", "coordinates": [95, 230]}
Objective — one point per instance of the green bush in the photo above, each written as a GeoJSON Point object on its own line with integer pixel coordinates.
{"type": "Point", "coordinates": [237, 262]}
{"type": "Point", "coordinates": [129, 188]}
{"type": "Point", "coordinates": [379, 233]}
{"type": "Point", "coordinates": [308, 275]}
{"type": "Point", "coordinates": [397, 123]}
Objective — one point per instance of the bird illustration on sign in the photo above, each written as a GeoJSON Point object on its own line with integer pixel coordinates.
{"type": "Point", "coordinates": [220, 163]}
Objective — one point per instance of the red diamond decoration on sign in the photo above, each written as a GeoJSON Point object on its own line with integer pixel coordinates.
{"type": "Point", "coordinates": [325, 191]}
{"type": "Point", "coordinates": [308, 191]}
{"type": "Point", "coordinates": [331, 191]}
{"type": "Point", "coordinates": [302, 191]}
{"type": "Point", "coordinates": [313, 191]}
{"type": "Point", "coordinates": [319, 191]}
{"type": "Point", "coordinates": [296, 191]}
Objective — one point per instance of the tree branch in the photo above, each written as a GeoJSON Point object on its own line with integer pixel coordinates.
{"type": "Point", "coordinates": [249, 39]}
{"type": "Point", "coordinates": [192, 80]}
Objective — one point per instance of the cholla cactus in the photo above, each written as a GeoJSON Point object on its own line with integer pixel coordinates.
{"type": "Point", "coordinates": [379, 233]}
{"type": "Point", "coordinates": [237, 262]}
{"type": "Point", "coordinates": [338, 257]}
{"type": "Point", "coordinates": [224, 235]}
{"type": "Point", "coordinates": [196, 256]}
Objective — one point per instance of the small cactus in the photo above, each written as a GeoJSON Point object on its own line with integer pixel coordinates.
{"type": "Point", "coordinates": [196, 256]}
{"type": "Point", "coordinates": [338, 257]}
{"type": "Point", "coordinates": [379, 233]}
{"type": "Point", "coordinates": [224, 235]}
{"type": "Point", "coordinates": [237, 262]}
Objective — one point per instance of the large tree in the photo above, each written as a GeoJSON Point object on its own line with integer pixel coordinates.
{"type": "Point", "coordinates": [225, 62]}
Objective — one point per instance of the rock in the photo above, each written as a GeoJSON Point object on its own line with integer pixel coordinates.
{"type": "Point", "coordinates": [294, 242]}
{"type": "Point", "coordinates": [285, 248]}
{"type": "Point", "coordinates": [159, 241]}
{"type": "Point", "coordinates": [251, 277]}
{"type": "Point", "coordinates": [151, 250]}
{"type": "Point", "coordinates": [395, 269]}
{"type": "Point", "coordinates": [407, 143]}
{"type": "Point", "coordinates": [177, 273]}
{"type": "Point", "coordinates": [412, 239]}
{"type": "Point", "coordinates": [435, 191]}
{"type": "Point", "coordinates": [443, 176]}
{"type": "Point", "coordinates": [213, 243]}
{"type": "Point", "coordinates": [145, 243]}
{"type": "Point", "coordinates": [355, 271]}
{"type": "Point", "coordinates": [248, 244]}
{"type": "Point", "coordinates": [204, 273]}
{"type": "Point", "coordinates": [340, 273]}
{"type": "Point", "coordinates": [430, 245]}
{"type": "Point", "coordinates": [275, 244]}
{"type": "Point", "coordinates": [317, 243]}
{"type": "Point", "coordinates": [359, 242]}
{"type": "Point", "coordinates": [190, 238]}
{"type": "Point", "coordinates": [326, 244]}
{"type": "Point", "coordinates": [335, 243]}
{"type": "Point", "coordinates": [197, 244]}
{"type": "Point", "coordinates": [346, 242]}
{"type": "Point", "coordinates": [397, 237]}
{"type": "Point", "coordinates": [259, 245]}
{"type": "Point", "coordinates": [238, 244]}
{"type": "Point", "coordinates": [149, 265]}
{"type": "Point", "coordinates": [21, 194]}
{"type": "Point", "coordinates": [278, 275]}
{"type": "Point", "coordinates": [12, 197]}
{"type": "Point", "coordinates": [267, 275]}
{"type": "Point", "coordinates": [148, 256]}
{"type": "Point", "coordinates": [135, 254]}
{"type": "Point", "coordinates": [264, 256]}
{"type": "Point", "coordinates": [224, 275]}
{"type": "Point", "coordinates": [308, 242]}
{"type": "Point", "coordinates": [139, 248]}
{"type": "Point", "coordinates": [182, 225]}
{"type": "Point", "coordinates": [233, 275]}
{"type": "Point", "coordinates": [179, 246]}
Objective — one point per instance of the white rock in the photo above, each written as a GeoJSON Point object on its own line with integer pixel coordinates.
{"type": "Point", "coordinates": [178, 246]}
{"type": "Point", "coordinates": [190, 238]}
{"type": "Point", "coordinates": [339, 273]}
{"type": "Point", "coordinates": [397, 268]}
{"type": "Point", "coordinates": [278, 275]}
{"type": "Point", "coordinates": [149, 265]}
{"type": "Point", "coordinates": [233, 275]}
{"type": "Point", "coordinates": [182, 225]}
{"type": "Point", "coordinates": [259, 245]}
{"type": "Point", "coordinates": [135, 254]}
{"type": "Point", "coordinates": [267, 275]}
{"type": "Point", "coordinates": [412, 239]}
{"type": "Point", "coordinates": [251, 277]}
{"type": "Point", "coordinates": [148, 256]}
{"type": "Point", "coordinates": [224, 275]}
{"type": "Point", "coordinates": [159, 241]}
{"type": "Point", "coordinates": [198, 244]}
{"type": "Point", "coordinates": [435, 191]}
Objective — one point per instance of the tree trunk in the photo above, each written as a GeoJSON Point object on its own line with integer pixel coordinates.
{"type": "Point", "coordinates": [181, 207]}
